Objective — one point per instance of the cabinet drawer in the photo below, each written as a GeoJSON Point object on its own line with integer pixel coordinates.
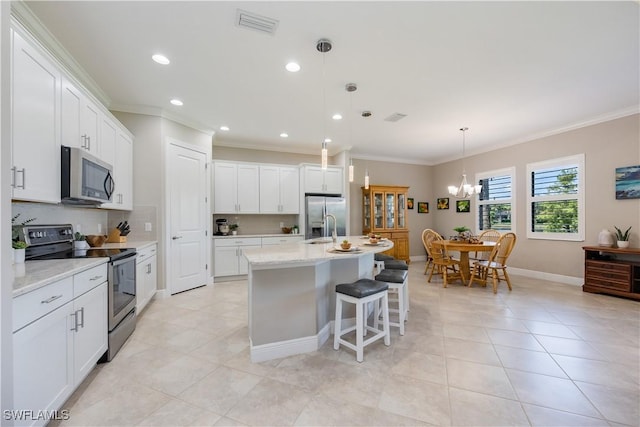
{"type": "Point", "coordinates": [608, 266]}
{"type": "Point", "coordinates": [145, 253]}
{"type": "Point", "coordinates": [281, 240]}
{"type": "Point", "coordinates": [253, 241]}
{"type": "Point", "coordinates": [34, 305]}
{"type": "Point", "coordinates": [89, 279]}
{"type": "Point", "coordinates": [604, 282]}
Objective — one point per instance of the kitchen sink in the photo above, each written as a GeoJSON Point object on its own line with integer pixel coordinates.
{"type": "Point", "coordinates": [319, 241]}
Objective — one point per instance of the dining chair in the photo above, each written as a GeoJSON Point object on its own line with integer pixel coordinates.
{"type": "Point", "coordinates": [496, 263]}
{"type": "Point", "coordinates": [428, 236]}
{"type": "Point", "coordinates": [447, 266]}
{"type": "Point", "coordinates": [488, 235]}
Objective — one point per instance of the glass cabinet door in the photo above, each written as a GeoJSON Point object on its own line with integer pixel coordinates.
{"type": "Point", "coordinates": [401, 210]}
{"type": "Point", "coordinates": [391, 210]}
{"type": "Point", "coordinates": [378, 210]}
{"type": "Point", "coordinates": [366, 219]}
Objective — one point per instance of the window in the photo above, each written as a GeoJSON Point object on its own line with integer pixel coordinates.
{"type": "Point", "coordinates": [555, 199]}
{"type": "Point", "coordinates": [496, 201]}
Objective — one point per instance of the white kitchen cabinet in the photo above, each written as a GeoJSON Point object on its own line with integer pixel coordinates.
{"type": "Point", "coordinates": [228, 257]}
{"type": "Point", "coordinates": [236, 188]}
{"type": "Point", "coordinates": [146, 276]}
{"type": "Point", "coordinates": [279, 189]}
{"type": "Point", "coordinates": [280, 240]}
{"type": "Point", "coordinates": [60, 332]}
{"type": "Point", "coordinates": [35, 124]}
{"type": "Point", "coordinates": [117, 150]}
{"type": "Point", "coordinates": [80, 119]}
{"type": "Point", "coordinates": [318, 181]}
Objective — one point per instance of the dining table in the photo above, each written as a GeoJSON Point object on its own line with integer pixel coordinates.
{"type": "Point", "coordinates": [464, 248]}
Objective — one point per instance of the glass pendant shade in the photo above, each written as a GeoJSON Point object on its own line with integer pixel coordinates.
{"type": "Point", "coordinates": [464, 190]}
{"type": "Point", "coordinates": [366, 180]}
{"type": "Point", "coordinates": [324, 156]}
{"type": "Point", "coordinates": [351, 171]}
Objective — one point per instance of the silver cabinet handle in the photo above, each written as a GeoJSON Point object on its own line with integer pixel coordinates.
{"type": "Point", "coordinates": [82, 315]}
{"type": "Point", "coordinates": [75, 321]}
{"type": "Point", "coordinates": [148, 268]}
{"type": "Point", "coordinates": [176, 237]}
{"type": "Point", "coordinates": [24, 178]}
{"type": "Point", "coordinates": [13, 177]}
{"type": "Point", "coordinates": [89, 143]}
{"type": "Point", "coordinates": [50, 299]}
{"type": "Point", "coordinates": [95, 278]}
{"type": "Point", "coordinates": [84, 142]}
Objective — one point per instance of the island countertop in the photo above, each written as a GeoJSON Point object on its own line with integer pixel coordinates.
{"type": "Point", "coordinates": [313, 250]}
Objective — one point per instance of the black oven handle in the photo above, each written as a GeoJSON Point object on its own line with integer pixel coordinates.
{"type": "Point", "coordinates": [109, 185]}
{"type": "Point", "coordinates": [124, 259]}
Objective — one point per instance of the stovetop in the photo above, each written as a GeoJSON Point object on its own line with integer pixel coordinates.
{"type": "Point", "coordinates": [111, 253]}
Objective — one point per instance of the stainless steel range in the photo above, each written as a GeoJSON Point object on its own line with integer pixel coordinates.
{"type": "Point", "coordinates": [47, 242]}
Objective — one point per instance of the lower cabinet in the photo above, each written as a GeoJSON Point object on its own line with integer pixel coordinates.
{"type": "Point", "coordinates": [228, 258]}
{"type": "Point", "coordinates": [400, 248]}
{"type": "Point", "coordinates": [54, 352]}
{"type": "Point", "coordinates": [146, 276]}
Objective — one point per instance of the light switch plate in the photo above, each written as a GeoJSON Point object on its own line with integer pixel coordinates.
{"type": "Point", "coordinates": [147, 226]}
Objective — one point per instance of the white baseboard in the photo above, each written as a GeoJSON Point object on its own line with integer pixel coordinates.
{"type": "Point", "coordinates": [277, 350]}
{"type": "Point", "coordinates": [569, 280]}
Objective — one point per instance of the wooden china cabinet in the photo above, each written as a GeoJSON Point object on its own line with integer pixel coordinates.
{"type": "Point", "coordinates": [384, 212]}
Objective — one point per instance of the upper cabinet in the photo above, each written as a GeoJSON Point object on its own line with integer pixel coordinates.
{"type": "Point", "coordinates": [48, 110]}
{"type": "Point", "coordinates": [279, 189]}
{"type": "Point", "coordinates": [236, 188]}
{"type": "Point", "coordinates": [319, 181]}
{"type": "Point", "coordinates": [35, 121]}
{"type": "Point", "coordinates": [384, 212]}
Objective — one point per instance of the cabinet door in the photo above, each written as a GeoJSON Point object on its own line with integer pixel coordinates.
{"type": "Point", "coordinates": [225, 185]}
{"type": "Point", "coordinates": [390, 211]}
{"type": "Point", "coordinates": [248, 189]}
{"type": "Point", "coordinates": [151, 278]}
{"type": "Point", "coordinates": [313, 179]}
{"type": "Point", "coordinates": [226, 261]}
{"type": "Point", "coordinates": [289, 190]}
{"type": "Point", "coordinates": [35, 118]}
{"type": "Point", "coordinates": [90, 127]}
{"type": "Point", "coordinates": [243, 264]}
{"type": "Point", "coordinates": [269, 189]}
{"type": "Point", "coordinates": [123, 171]}
{"type": "Point", "coordinates": [70, 111]}
{"type": "Point", "coordinates": [42, 362]}
{"type": "Point", "coordinates": [402, 210]}
{"type": "Point", "coordinates": [108, 154]}
{"type": "Point", "coordinates": [89, 322]}
{"type": "Point", "coordinates": [333, 180]}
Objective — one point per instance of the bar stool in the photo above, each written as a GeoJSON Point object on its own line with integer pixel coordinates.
{"type": "Point", "coordinates": [397, 281]}
{"type": "Point", "coordinates": [361, 293]}
{"type": "Point", "coordinates": [379, 260]}
{"type": "Point", "coordinates": [398, 264]}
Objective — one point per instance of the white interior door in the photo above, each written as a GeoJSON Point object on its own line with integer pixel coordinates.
{"type": "Point", "coordinates": [187, 185]}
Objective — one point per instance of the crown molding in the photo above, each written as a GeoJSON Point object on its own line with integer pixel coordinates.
{"type": "Point", "coordinates": [160, 112]}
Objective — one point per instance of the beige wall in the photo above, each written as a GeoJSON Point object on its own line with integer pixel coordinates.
{"type": "Point", "coordinates": [606, 146]}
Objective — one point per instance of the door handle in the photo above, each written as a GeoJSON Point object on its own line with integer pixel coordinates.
{"type": "Point", "coordinates": [176, 237]}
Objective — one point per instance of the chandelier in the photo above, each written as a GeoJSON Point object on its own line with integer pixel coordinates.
{"type": "Point", "coordinates": [464, 190]}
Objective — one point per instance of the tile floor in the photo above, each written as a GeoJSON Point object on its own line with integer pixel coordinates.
{"type": "Point", "coordinates": [545, 354]}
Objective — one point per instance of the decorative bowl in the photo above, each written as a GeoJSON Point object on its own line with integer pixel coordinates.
{"type": "Point", "coordinates": [95, 240]}
{"type": "Point", "coordinates": [373, 240]}
{"type": "Point", "coordinates": [286, 230]}
{"type": "Point", "coordinates": [345, 246]}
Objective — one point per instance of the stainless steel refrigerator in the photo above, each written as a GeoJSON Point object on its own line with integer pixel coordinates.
{"type": "Point", "coordinates": [316, 207]}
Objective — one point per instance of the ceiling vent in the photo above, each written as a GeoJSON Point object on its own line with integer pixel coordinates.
{"type": "Point", "coordinates": [395, 117]}
{"type": "Point", "coordinates": [256, 22]}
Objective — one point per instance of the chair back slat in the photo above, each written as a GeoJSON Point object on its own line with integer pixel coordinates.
{"type": "Point", "coordinates": [428, 236]}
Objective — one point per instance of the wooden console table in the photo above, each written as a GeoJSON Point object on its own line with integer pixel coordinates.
{"type": "Point", "coordinates": [612, 271]}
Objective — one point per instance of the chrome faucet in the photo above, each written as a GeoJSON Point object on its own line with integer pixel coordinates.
{"type": "Point", "coordinates": [334, 233]}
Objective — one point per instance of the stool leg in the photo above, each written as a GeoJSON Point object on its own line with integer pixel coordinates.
{"type": "Point", "coordinates": [401, 307]}
{"type": "Point", "coordinates": [337, 325]}
{"type": "Point", "coordinates": [385, 319]}
{"type": "Point", "coordinates": [359, 332]}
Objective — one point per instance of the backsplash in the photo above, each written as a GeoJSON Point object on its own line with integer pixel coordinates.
{"type": "Point", "coordinates": [85, 220]}
{"type": "Point", "coordinates": [138, 219]}
{"type": "Point", "coordinates": [258, 224]}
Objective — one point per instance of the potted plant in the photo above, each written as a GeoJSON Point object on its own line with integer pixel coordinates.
{"type": "Point", "coordinates": [623, 237]}
{"type": "Point", "coordinates": [18, 251]}
{"type": "Point", "coordinates": [234, 229]}
{"type": "Point", "coordinates": [79, 241]}
{"type": "Point", "coordinates": [461, 232]}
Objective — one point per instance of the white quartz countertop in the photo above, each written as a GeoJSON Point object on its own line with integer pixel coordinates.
{"type": "Point", "coordinates": [137, 245]}
{"type": "Point", "coordinates": [257, 235]}
{"type": "Point", "coordinates": [305, 252]}
{"type": "Point", "coordinates": [32, 275]}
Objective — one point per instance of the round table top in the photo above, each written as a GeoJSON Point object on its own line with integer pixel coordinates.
{"type": "Point", "coordinates": [456, 245]}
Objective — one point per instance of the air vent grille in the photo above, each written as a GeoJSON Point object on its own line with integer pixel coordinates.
{"type": "Point", "coordinates": [256, 22]}
{"type": "Point", "coordinates": [395, 117]}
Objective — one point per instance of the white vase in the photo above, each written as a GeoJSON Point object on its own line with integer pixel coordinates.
{"type": "Point", "coordinates": [234, 232]}
{"type": "Point", "coordinates": [623, 244]}
{"type": "Point", "coordinates": [18, 256]}
{"type": "Point", "coordinates": [80, 244]}
{"type": "Point", "coordinates": [605, 238]}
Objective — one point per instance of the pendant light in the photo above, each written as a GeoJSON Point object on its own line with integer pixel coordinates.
{"type": "Point", "coordinates": [351, 87]}
{"type": "Point", "coordinates": [323, 46]}
{"type": "Point", "coordinates": [464, 190]}
{"type": "Point", "coordinates": [366, 179]}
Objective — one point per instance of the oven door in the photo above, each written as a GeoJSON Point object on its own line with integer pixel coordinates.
{"type": "Point", "coordinates": [122, 289]}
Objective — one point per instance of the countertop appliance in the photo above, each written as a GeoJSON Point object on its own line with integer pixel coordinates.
{"type": "Point", "coordinates": [47, 242]}
{"type": "Point", "coordinates": [316, 207]}
{"type": "Point", "coordinates": [85, 179]}
{"type": "Point", "coordinates": [223, 227]}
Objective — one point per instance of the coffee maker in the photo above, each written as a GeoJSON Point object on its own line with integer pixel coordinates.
{"type": "Point", "coordinates": [223, 227]}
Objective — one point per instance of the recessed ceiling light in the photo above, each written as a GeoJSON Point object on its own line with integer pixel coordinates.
{"type": "Point", "coordinates": [177, 102]}
{"type": "Point", "coordinates": [160, 59]}
{"type": "Point", "coordinates": [337, 116]}
{"type": "Point", "coordinates": [284, 135]}
{"type": "Point", "coordinates": [327, 140]}
{"type": "Point", "coordinates": [224, 128]}
{"type": "Point", "coordinates": [293, 67]}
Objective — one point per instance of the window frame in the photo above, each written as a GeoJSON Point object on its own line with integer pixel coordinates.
{"type": "Point", "coordinates": [510, 171]}
{"type": "Point", "coordinates": [560, 163]}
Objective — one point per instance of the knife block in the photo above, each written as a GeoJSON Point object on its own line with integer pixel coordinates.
{"type": "Point", "coordinates": [115, 237]}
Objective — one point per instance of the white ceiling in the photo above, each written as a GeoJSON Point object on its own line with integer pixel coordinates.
{"type": "Point", "coordinates": [510, 71]}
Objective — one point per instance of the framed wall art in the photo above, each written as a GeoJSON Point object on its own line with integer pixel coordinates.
{"type": "Point", "coordinates": [423, 207]}
{"type": "Point", "coordinates": [628, 182]}
{"type": "Point", "coordinates": [410, 203]}
{"type": "Point", "coordinates": [463, 205]}
{"type": "Point", "coordinates": [443, 203]}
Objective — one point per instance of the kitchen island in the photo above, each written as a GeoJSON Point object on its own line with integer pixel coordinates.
{"type": "Point", "coordinates": [292, 292]}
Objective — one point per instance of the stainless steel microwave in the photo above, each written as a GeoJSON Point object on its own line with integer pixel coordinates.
{"type": "Point", "coordinates": [86, 180]}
